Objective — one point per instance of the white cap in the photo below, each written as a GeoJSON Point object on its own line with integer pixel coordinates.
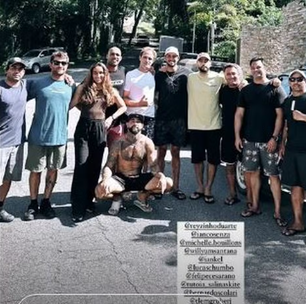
{"type": "Point", "coordinates": [299, 72]}
{"type": "Point", "coordinates": [172, 49]}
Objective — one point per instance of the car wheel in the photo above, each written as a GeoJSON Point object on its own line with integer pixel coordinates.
{"type": "Point", "coordinates": [36, 68]}
{"type": "Point", "coordinates": [240, 182]}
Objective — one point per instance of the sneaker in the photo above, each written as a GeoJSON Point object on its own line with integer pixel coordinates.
{"type": "Point", "coordinates": [6, 217]}
{"type": "Point", "coordinates": [31, 213]}
{"type": "Point", "coordinates": [77, 218]}
{"type": "Point", "coordinates": [46, 210]}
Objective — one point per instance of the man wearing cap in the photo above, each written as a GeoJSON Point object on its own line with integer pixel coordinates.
{"type": "Point", "coordinates": [293, 148]}
{"type": "Point", "coordinates": [13, 97]}
{"type": "Point", "coordinates": [139, 90]}
{"type": "Point", "coordinates": [259, 112]}
{"type": "Point", "coordinates": [204, 123]}
{"type": "Point", "coordinates": [171, 114]}
{"type": "Point", "coordinates": [123, 169]}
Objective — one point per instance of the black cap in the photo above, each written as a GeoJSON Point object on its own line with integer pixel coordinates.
{"type": "Point", "coordinates": [135, 115]}
{"type": "Point", "coordinates": [13, 61]}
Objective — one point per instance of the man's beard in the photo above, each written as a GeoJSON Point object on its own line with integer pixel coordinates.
{"type": "Point", "coordinates": [134, 130]}
{"type": "Point", "coordinates": [203, 69]}
{"type": "Point", "coordinates": [170, 64]}
{"type": "Point", "coordinates": [111, 63]}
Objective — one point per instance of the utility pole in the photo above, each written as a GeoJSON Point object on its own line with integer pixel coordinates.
{"type": "Point", "coordinates": [194, 30]}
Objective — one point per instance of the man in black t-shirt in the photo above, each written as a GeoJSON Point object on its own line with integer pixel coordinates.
{"type": "Point", "coordinates": [171, 114]}
{"type": "Point", "coordinates": [258, 123]}
{"type": "Point", "coordinates": [117, 75]}
{"type": "Point", "coordinates": [117, 72]}
{"type": "Point", "coordinates": [228, 98]}
{"type": "Point", "coordinates": [294, 149]}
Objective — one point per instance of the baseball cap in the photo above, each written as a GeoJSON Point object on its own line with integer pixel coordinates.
{"type": "Point", "coordinates": [13, 61]}
{"type": "Point", "coordinates": [135, 115]}
{"type": "Point", "coordinates": [172, 49]}
{"type": "Point", "coordinates": [203, 55]}
{"type": "Point", "coordinates": [299, 72]}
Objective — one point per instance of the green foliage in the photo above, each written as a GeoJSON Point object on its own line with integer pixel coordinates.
{"type": "Point", "coordinates": [85, 27]}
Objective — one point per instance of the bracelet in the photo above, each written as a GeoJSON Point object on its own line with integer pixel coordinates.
{"type": "Point", "coordinates": [113, 117]}
{"type": "Point", "coordinates": [275, 138]}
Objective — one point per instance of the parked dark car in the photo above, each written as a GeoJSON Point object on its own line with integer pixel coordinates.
{"type": "Point", "coordinates": [143, 40]}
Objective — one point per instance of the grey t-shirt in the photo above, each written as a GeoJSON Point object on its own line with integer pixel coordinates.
{"type": "Point", "coordinates": [12, 114]}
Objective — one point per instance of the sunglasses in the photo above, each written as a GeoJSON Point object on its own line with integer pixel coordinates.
{"type": "Point", "coordinates": [63, 63]}
{"type": "Point", "coordinates": [298, 79]}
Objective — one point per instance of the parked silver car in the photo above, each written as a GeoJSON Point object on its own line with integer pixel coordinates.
{"type": "Point", "coordinates": [38, 59]}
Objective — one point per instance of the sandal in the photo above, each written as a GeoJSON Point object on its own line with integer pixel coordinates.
{"type": "Point", "coordinates": [249, 213]}
{"type": "Point", "coordinates": [291, 231]}
{"type": "Point", "coordinates": [280, 221]}
{"type": "Point", "coordinates": [209, 199]}
{"type": "Point", "coordinates": [145, 207]}
{"type": "Point", "coordinates": [196, 195]}
{"type": "Point", "coordinates": [231, 200]}
{"type": "Point", "coordinates": [180, 195]}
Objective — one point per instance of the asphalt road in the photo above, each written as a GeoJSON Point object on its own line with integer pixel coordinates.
{"type": "Point", "coordinates": [122, 259]}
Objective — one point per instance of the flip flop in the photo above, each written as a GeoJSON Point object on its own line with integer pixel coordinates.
{"type": "Point", "coordinates": [208, 199]}
{"type": "Point", "coordinates": [196, 195]}
{"type": "Point", "coordinates": [231, 200]}
{"type": "Point", "coordinates": [180, 195]}
{"type": "Point", "coordinates": [143, 206]}
{"type": "Point", "coordinates": [280, 221]}
{"type": "Point", "coordinates": [249, 213]}
{"type": "Point", "coordinates": [291, 231]}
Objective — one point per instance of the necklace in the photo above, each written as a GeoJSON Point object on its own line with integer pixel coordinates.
{"type": "Point", "coordinates": [171, 81]}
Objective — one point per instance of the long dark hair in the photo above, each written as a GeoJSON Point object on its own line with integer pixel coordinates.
{"type": "Point", "coordinates": [90, 90]}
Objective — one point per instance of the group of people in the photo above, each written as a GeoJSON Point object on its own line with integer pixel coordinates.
{"type": "Point", "coordinates": [155, 109]}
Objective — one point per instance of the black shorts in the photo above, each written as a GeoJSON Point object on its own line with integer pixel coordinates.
{"type": "Point", "coordinates": [135, 183]}
{"type": "Point", "coordinates": [148, 129]}
{"type": "Point", "coordinates": [294, 169]}
{"type": "Point", "coordinates": [170, 132]}
{"type": "Point", "coordinates": [203, 142]}
{"type": "Point", "coordinates": [229, 153]}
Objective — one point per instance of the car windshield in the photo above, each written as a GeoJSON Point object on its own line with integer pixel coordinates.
{"type": "Point", "coordinates": [31, 54]}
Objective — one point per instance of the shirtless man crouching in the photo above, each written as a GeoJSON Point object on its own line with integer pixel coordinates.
{"type": "Point", "coordinates": [123, 169]}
